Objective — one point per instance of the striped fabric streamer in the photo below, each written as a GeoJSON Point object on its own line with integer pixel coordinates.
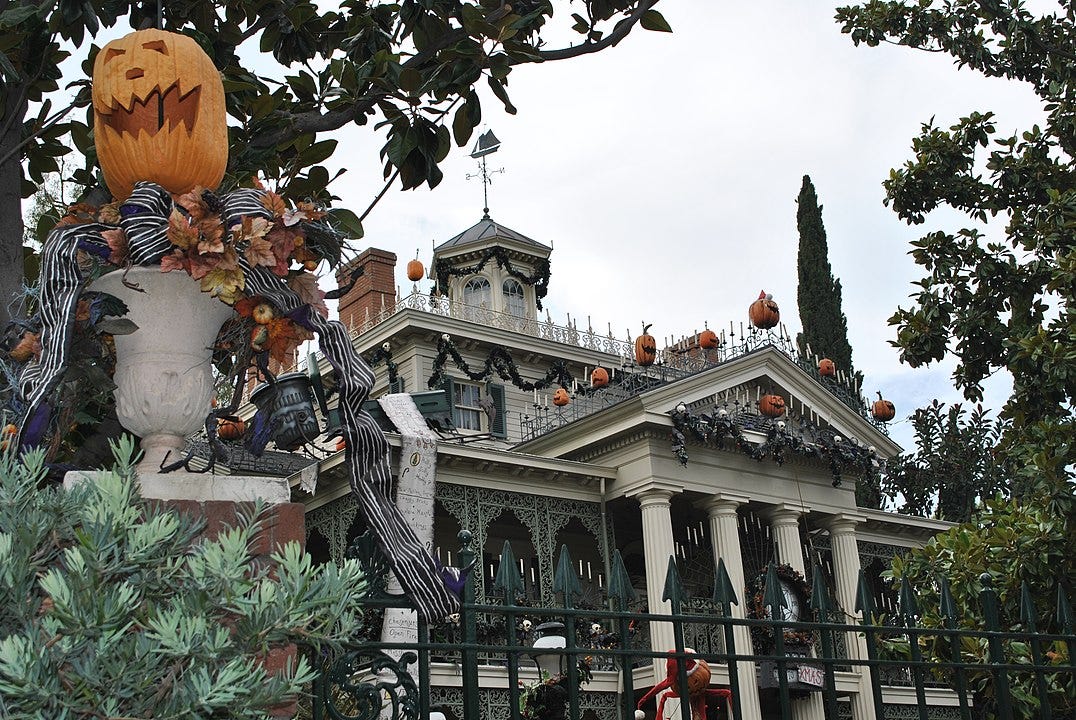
{"type": "Point", "coordinates": [145, 225]}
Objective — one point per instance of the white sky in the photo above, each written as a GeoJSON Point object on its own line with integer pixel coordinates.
{"type": "Point", "coordinates": [665, 172]}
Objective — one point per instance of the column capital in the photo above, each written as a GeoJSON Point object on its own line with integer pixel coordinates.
{"type": "Point", "coordinates": [723, 502]}
{"type": "Point", "coordinates": [843, 523]}
{"type": "Point", "coordinates": [654, 495]}
{"type": "Point", "coordinates": [784, 513]}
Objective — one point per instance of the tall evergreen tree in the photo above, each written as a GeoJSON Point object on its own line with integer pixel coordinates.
{"type": "Point", "coordinates": [818, 296]}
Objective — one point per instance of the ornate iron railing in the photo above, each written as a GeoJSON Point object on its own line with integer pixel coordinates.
{"type": "Point", "coordinates": [989, 672]}
{"type": "Point", "coordinates": [674, 362]}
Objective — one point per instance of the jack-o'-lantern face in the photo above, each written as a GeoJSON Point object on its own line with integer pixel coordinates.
{"type": "Point", "coordinates": [771, 405]}
{"type": "Point", "coordinates": [158, 113]}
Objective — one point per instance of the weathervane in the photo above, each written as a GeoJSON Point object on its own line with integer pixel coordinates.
{"type": "Point", "coordinates": [487, 145]}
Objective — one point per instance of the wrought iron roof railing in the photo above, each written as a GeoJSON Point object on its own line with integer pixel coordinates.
{"type": "Point", "coordinates": [673, 363]}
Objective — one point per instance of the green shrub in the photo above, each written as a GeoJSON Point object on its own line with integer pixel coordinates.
{"type": "Point", "coordinates": [111, 607]}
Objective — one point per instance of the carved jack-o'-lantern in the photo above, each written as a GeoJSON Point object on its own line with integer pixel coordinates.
{"type": "Point", "coordinates": [560, 397]}
{"type": "Point", "coordinates": [646, 348]}
{"type": "Point", "coordinates": [883, 410]}
{"type": "Point", "coordinates": [764, 313]}
{"type": "Point", "coordinates": [599, 377]}
{"type": "Point", "coordinates": [708, 339]}
{"type": "Point", "coordinates": [826, 368]}
{"type": "Point", "coordinates": [159, 113]}
{"type": "Point", "coordinates": [771, 405]}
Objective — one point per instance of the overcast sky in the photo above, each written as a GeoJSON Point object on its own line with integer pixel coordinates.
{"type": "Point", "coordinates": [665, 171]}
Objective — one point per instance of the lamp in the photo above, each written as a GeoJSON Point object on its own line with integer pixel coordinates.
{"type": "Point", "coordinates": [550, 639]}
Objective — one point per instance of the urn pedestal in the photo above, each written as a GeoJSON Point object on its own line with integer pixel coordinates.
{"type": "Point", "coordinates": [164, 383]}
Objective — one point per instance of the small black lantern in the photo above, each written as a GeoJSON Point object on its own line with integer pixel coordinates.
{"type": "Point", "coordinates": [290, 406]}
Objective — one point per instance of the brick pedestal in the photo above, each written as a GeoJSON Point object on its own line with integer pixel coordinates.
{"type": "Point", "coordinates": [281, 524]}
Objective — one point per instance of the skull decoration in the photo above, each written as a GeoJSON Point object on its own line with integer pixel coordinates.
{"type": "Point", "coordinates": [159, 113]}
{"type": "Point", "coordinates": [525, 625]}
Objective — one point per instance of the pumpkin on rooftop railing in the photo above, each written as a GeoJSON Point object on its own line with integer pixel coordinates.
{"type": "Point", "coordinates": [708, 339]}
{"type": "Point", "coordinates": [826, 368]}
{"type": "Point", "coordinates": [763, 312]}
{"type": "Point", "coordinates": [771, 405]}
{"type": "Point", "coordinates": [599, 377]}
{"type": "Point", "coordinates": [646, 348]}
{"type": "Point", "coordinates": [159, 114]}
{"type": "Point", "coordinates": [560, 397]}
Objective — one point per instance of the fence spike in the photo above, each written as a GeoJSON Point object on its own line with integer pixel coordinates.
{"type": "Point", "coordinates": [909, 608]}
{"type": "Point", "coordinates": [1064, 610]}
{"type": "Point", "coordinates": [620, 582]}
{"type": "Point", "coordinates": [674, 589]}
{"type": "Point", "coordinates": [724, 593]}
{"type": "Point", "coordinates": [864, 599]}
{"type": "Point", "coordinates": [819, 592]}
{"type": "Point", "coordinates": [773, 595]}
{"type": "Point", "coordinates": [565, 578]}
{"type": "Point", "coordinates": [1027, 608]}
{"type": "Point", "coordinates": [948, 605]}
{"type": "Point", "coordinates": [508, 580]}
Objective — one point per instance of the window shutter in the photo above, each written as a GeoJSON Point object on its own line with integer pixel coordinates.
{"type": "Point", "coordinates": [448, 387]}
{"type": "Point", "coordinates": [500, 422]}
{"type": "Point", "coordinates": [397, 386]}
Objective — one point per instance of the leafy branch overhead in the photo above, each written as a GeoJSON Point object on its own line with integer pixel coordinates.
{"type": "Point", "coordinates": [1003, 296]}
{"type": "Point", "coordinates": [412, 68]}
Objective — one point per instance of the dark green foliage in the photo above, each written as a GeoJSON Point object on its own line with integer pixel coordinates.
{"type": "Point", "coordinates": [1004, 300]}
{"type": "Point", "coordinates": [953, 468]}
{"type": "Point", "coordinates": [818, 295]}
{"type": "Point", "coordinates": [110, 607]}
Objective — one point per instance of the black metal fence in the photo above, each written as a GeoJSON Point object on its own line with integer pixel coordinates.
{"type": "Point", "coordinates": [984, 671]}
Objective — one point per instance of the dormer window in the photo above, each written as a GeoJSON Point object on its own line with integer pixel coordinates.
{"type": "Point", "coordinates": [513, 298]}
{"type": "Point", "coordinates": [476, 293]}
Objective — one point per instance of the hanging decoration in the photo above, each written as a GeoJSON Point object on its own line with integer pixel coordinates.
{"type": "Point", "coordinates": [560, 397]}
{"type": "Point", "coordinates": [599, 377]}
{"type": "Point", "coordinates": [384, 354]}
{"type": "Point", "coordinates": [755, 592]}
{"type": "Point", "coordinates": [539, 278]}
{"type": "Point", "coordinates": [826, 368]}
{"type": "Point", "coordinates": [499, 362]}
{"type": "Point", "coordinates": [772, 406]}
{"type": "Point", "coordinates": [806, 440]}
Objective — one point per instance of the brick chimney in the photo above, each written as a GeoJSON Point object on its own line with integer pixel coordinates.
{"type": "Point", "coordinates": [376, 288]}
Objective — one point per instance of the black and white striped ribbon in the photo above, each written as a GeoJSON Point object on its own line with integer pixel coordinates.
{"type": "Point", "coordinates": [144, 219]}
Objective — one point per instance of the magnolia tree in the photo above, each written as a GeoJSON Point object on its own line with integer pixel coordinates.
{"type": "Point", "coordinates": [408, 70]}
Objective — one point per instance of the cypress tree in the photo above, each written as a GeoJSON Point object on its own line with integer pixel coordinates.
{"type": "Point", "coordinates": [825, 329]}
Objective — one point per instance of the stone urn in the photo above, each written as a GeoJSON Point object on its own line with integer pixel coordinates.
{"type": "Point", "coordinates": [164, 380]}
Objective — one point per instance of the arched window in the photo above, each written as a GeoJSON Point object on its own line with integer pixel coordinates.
{"type": "Point", "coordinates": [513, 298]}
{"type": "Point", "coordinates": [477, 293]}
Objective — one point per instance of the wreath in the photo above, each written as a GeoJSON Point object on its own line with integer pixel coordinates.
{"type": "Point", "coordinates": [755, 593]}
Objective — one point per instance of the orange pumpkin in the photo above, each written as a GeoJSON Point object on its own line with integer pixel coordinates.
{"type": "Point", "coordinates": [231, 427]}
{"type": "Point", "coordinates": [599, 377]}
{"type": "Point", "coordinates": [826, 368]}
{"type": "Point", "coordinates": [771, 405]}
{"type": "Point", "coordinates": [28, 346]}
{"type": "Point", "coordinates": [415, 270]}
{"type": "Point", "coordinates": [883, 410]}
{"type": "Point", "coordinates": [708, 339]}
{"type": "Point", "coordinates": [646, 348]}
{"type": "Point", "coordinates": [560, 397]}
{"type": "Point", "coordinates": [159, 113]}
{"type": "Point", "coordinates": [763, 312]}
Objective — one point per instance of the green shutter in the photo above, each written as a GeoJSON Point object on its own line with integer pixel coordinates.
{"type": "Point", "coordinates": [500, 422]}
{"type": "Point", "coordinates": [447, 385]}
{"type": "Point", "coordinates": [397, 386]}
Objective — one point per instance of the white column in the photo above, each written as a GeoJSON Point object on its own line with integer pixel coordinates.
{"type": "Point", "coordinates": [785, 521]}
{"type": "Point", "coordinates": [658, 547]}
{"type": "Point", "coordinates": [725, 531]}
{"type": "Point", "coordinates": [842, 536]}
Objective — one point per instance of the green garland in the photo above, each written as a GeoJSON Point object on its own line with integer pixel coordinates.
{"type": "Point", "coordinates": [755, 593]}
{"type": "Point", "coordinates": [539, 278]}
{"type": "Point", "coordinates": [499, 362]}
{"type": "Point", "coordinates": [713, 429]}
{"type": "Point", "coordinates": [383, 353]}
